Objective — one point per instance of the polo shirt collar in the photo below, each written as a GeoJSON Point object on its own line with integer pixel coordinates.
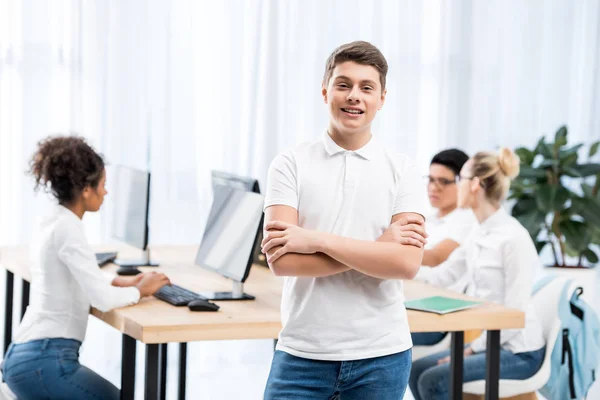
{"type": "Point", "coordinates": [368, 151]}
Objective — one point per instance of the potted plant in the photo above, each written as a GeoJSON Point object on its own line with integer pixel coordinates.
{"type": "Point", "coordinates": [558, 201]}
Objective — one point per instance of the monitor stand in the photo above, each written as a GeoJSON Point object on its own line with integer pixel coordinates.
{"type": "Point", "coordinates": [237, 293]}
{"type": "Point", "coordinates": [143, 262]}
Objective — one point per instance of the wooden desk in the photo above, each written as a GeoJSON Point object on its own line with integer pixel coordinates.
{"type": "Point", "coordinates": [156, 323]}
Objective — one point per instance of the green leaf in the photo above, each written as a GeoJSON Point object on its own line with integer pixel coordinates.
{"type": "Point", "coordinates": [551, 198]}
{"type": "Point", "coordinates": [570, 150]}
{"type": "Point", "coordinates": [531, 173]}
{"type": "Point", "coordinates": [576, 234]}
{"type": "Point", "coordinates": [525, 155]}
{"type": "Point", "coordinates": [587, 190]}
{"type": "Point", "coordinates": [548, 163]}
{"type": "Point", "coordinates": [543, 148]}
{"type": "Point", "coordinates": [545, 198]}
{"type": "Point", "coordinates": [587, 169]}
{"type": "Point", "coordinates": [590, 256]}
{"type": "Point", "coordinates": [569, 160]}
{"type": "Point", "coordinates": [533, 222]}
{"type": "Point", "coordinates": [562, 196]}
{"type": "Point", "coordinates": [560, 138]}
{"type": "Point", "coordinates": [594, 149]}
{"type": "Point", "coordinates": [573, 173]}
{"type": "Point", "coordinates": [589, 209]}
{"type": "Point", "coordinates": [524, 206]}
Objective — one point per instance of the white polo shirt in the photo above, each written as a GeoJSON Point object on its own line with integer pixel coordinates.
{"type": "Point", "coordinates": [347, 316]}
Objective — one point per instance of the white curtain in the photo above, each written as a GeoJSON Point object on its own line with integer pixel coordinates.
{"type": "Point", "coordinates": [183, 87]}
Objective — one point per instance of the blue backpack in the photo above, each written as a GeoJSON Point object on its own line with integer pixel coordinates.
{"type": "Point", "coordinates": [576, 353]}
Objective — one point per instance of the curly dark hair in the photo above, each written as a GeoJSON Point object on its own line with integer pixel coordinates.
{"type": "Point", "coordinates": [65, 165]}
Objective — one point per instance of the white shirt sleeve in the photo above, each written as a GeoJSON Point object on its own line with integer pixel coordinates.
{"type": "Point", "coordinates": [77, 255]}
{"type": "Point", "coordinates": [449, 272]}
{"type": "Point", "coordinates": [410, 194]}
{"type": "Point", "coordinates": [519, 260]}
{"type": "Point", "coordinates": [282, 187]}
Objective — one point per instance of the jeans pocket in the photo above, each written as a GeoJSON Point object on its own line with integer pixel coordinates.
{"type": "Point", "coordinates": [28, 385]}
{"type": "Point", "coordinates": [68, 361]}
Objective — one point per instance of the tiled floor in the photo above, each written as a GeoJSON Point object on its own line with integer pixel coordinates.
{"type": "Point", "coordinates": [216, 370]}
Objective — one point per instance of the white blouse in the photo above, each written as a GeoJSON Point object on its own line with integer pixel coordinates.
{"type": "Point", "coordinates": [66, 281]}
{"type": "Point", "coordinates": [500, 260]}
{"type": "Point", "coordinates": [456, 226]}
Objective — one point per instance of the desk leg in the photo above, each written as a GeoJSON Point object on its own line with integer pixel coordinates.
{"type": "Point", "coordinates": [163, 371]}
{"type": "Point", "coordinates": [24, 297]}
{"type": "Point", "coordinates": [128, 368]}
{"type": "Point", "coordinates": [492, 379]}
{"type": "Point", "coordinates": [151, 386]}
{"type": "Point", "coordinates": [182, 370]}
{"type": "Point", "coordinates": [457, 349]}
{"type": "Point", "coordinates": [8, 309]}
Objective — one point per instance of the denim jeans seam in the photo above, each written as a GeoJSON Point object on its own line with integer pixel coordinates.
{"type": "Point", "coordinates": [83, 389]}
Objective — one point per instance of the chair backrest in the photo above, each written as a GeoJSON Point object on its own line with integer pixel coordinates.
{"type": "Point", "coordinates": [545, 302]}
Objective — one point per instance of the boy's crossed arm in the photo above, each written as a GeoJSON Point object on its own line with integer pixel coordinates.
{"type": "Point", "coordinates": [295, 251]}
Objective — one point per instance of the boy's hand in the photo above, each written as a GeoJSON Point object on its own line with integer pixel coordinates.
{"type": "Point", "coordinates": [409, 230]}
{"type": "Point", "coordinates": [291, 238]}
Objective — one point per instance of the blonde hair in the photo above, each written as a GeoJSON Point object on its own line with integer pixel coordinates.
{"type": "Point", "coordinates": [495, 171]}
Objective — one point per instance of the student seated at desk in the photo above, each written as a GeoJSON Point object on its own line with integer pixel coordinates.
{"type": "Point", "coordinates": [500, 258]}
{"type": "Point", "coordinates": [43, 360]}
{"type": "Point", "coordinates": [448, 226]}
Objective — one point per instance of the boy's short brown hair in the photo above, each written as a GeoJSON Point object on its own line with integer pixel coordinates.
{"type": "Point", "coordinates": [360, 52]}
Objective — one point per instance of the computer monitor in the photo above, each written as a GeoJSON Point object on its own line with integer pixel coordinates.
{"type": "Point", "coordinates": [233, 225]}
{"type": "Point", "coordinates": [221, 178]}
{"type": "Point", "coordinates": [131, 198]}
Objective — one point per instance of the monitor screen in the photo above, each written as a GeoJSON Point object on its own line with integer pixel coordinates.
{"type": "Point", "coordinates": [130, 193]}
{"type": "Point", "coordinates": [236, 181]}
{"type": "Point", "coordinates": [233, 224]}
{"type": "Point", "coordinates": [221, 178]}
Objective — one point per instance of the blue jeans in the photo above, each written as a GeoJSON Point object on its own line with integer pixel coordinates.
{"type": "Point", "coordinates": [50, 369]}
{"type": "Point", "coordinates": [429, 381]}
{"type": "Point", "coordinates": [427, 338]}
{"type": "Point", "coordinates": [382, 378]}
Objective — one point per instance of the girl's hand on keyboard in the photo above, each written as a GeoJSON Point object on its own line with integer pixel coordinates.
{"type": "Point", "coordinates": [127, 281]}
{"type": "Point", "coordinates": [150, 282]}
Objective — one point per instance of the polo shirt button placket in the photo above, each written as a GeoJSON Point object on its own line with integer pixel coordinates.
{"type": "Point", "coordinates": [349, 176]}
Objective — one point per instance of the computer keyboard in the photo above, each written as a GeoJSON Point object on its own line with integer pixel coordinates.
{"type": "Point", "coordinates": [105, 258]}
{"type": "Point", "coordinates": [176, 295]}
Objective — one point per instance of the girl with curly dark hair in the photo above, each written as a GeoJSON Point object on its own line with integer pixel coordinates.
{"type": "Point", "coordinates": [43, 360]}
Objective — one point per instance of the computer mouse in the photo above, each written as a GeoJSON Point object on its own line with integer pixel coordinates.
{"type": "Point", "coordinates": [128, 271]}
{"type": "Point", "coordinates": [202, 305]}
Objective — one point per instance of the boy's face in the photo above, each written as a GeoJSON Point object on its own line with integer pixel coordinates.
{"type": "Point", "coordinates": [354, 95]}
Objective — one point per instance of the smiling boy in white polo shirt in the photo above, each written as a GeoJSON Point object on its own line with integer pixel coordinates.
{"type": "Point", "coordinates": [344, 221]}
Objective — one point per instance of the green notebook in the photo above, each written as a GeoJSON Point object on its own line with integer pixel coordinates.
{"type": "Point", "coordinates": [440, 304]}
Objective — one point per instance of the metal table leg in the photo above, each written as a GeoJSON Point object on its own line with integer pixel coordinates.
{"type": "Point", "coordinates": [151, 385]}
{"type": "Point", "coordinates": [492, 378]}
{"type": "Point", "coordinates": [457, 349]}
{"type": "Point", "coordinates": [182, 370]}
{"type": "Point", "coordinates": [128, 368]}
{"type": "Point", "coordinates": [8, 309]}
{"type": "Point", "coordinates": [24, 297]}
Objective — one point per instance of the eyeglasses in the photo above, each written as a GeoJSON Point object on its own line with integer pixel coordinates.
{"type": "Point", "coordinates": [440, 182]}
